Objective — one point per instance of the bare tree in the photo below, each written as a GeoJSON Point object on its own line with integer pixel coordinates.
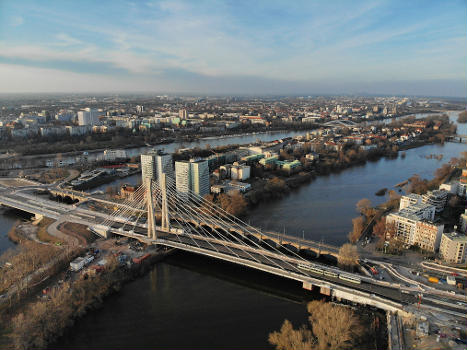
{"type": "Point", "coordinates": [358, 224]}
{"type": "Point", "coordinates": [348, 255]}
{"type": "Point", "coordinates": [332, 327]}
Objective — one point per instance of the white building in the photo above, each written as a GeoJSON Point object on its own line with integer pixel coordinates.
{"type": "Point", "coordinates": [114, 154]}
{"type": "Point", "coordinates": [240, 172]}
{"type": "Point", "coordinates": [453, 248]}
{"type": "Point", "coordinates": [52, 131]}
{"type": "Point", "coordinates": [409, 199]}
{"type": "Point", "coordinates": [437, 198]}
{"type": "Point", "coordinates": [192, 176]}
{"type": "Point", "coordinates": [428, 235]}
{"type": "Point", "coordinates": [78, 130]}
{"type": "Point", "coordinates": [88, 116]}
{"type": "Point", "coordinates": [463, 221]}
{"type": "Point", "coordinates": [405, 221]}
{"type": "Point", "coordinates": [164, 164]}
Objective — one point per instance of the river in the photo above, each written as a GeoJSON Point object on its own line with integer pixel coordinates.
{"type": "Point", "coordinates": [189, 301]}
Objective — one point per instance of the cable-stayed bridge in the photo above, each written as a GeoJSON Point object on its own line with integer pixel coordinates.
{"type": "Point", "coordinates": [157, 213]}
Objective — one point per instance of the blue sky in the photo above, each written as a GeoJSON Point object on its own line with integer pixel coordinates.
{"type": "Point", "coordinates": [234, 47]}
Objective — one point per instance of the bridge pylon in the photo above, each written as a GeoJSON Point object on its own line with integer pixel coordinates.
{"type": "Point", "coordinates": [165, 212]}
{"type": "Point", "coordinates": [150, 208]}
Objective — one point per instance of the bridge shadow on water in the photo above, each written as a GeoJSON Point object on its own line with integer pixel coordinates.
{"type": "Point", "coordinates": [254, 279]}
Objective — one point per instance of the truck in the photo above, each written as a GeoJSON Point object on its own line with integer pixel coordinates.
{"type": "Point", "coordinates": [80, 262]}
{"type": "Point", "coordinates": [451, 280]}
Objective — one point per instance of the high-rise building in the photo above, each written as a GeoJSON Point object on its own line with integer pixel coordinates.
{"type": "Point", "coordinates": [183, 177]}
{"type": "Point", "coordinates": [183, 114]}
{"type": "Point", "coordinates": [192, 176]}
{"type": "Point", "coordinates": [164, 164]}
{"type": "Point", "coordinates": [155, 163]}
{"type": "Point", "coordinates": [88, 116]}
{"type": "Point", "coordinates": [148, 166]}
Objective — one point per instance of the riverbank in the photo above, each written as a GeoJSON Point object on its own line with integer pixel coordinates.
{"type": "Point", "coordinates": [36, 323]}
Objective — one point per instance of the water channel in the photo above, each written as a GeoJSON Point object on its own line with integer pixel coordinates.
{"type": "Point", "coordinates": [194, 302]}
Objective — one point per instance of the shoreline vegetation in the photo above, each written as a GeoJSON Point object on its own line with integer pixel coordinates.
{"type": "Point", "coordinates": [42, 322]}
{"type": "Point", "coordinates": [27, 322]}
{"type": "Point", "coordinates": [462, 117]}
{"type": "Point", "coordinates": [332, 326]}
{"type": "Point", "coordinates": [123, 138]}
{"type": "Point", "coordinates": [271, 183]}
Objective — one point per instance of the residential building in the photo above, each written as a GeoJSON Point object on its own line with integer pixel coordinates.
{"type": "Point", "coordinates": [405, 220]}
{"type": "Point", "coordinates": [148, 166]}
{"type": "Point", "coordinates": [437, 198]}
{"type": "Point", "coordinates": [51, 131]}
{"type": "Point", "coordinates": [78, 130]}
{"type": "Point", "coordinates": [183, 114]}
{"type": "Point", "coordinates": [154, 164]}
{"type": "Point", "coordinates": [200, 177]}
{"type": "Point", "coordinates": [88, 116]}
{"type": "Point", "coordinates": [128, 191]}
{"type": "Point", "coordinates": [453, 248]}
{"type": "Point", "coordinates": [192, 176]}
{"type": "Point", "coordinates": [428, 235]}
{"type": "Point", "coordinates": [240, 172]}
{"type": "Point", "coordinates": [114, 154]}
{"type": "Point", "coordinates": [237, 186]}
{"type": "Point", "coordinates": [409, 199]}
{"type": "Point", "coordinates": [463, 221]}
{"type": "Point", "coordinates": [268, 161]}
{"type": "Point", "coordinates": [164, 164]}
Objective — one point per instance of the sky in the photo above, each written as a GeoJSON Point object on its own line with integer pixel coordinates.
{"type": "Point", "coordinates": [395, 47]}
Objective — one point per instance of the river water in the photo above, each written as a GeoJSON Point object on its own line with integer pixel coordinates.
{"type": "Point", "coordinates": [190, 301]}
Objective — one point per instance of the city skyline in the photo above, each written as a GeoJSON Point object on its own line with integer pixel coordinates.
{"type": "Point", "coordinates": [235, 48]}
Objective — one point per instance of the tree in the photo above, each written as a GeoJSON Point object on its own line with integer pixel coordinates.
{"type": "Point", "coordinates": [289, 338]}
{"type": "Point", "coordinates": [348, 255]}
{"type": "Point", "coordinates": [363, 206]}
{"type": "Point", "coordinates": [335, 326]}
{"type": "Point", "coordinates": [462, 117]}
{"type": "Point", "coordinates": [332, 327]}
{"type": "Point", "coordinates": [358, 224]}
{"type": "Point", "coordinates": [379, 229]}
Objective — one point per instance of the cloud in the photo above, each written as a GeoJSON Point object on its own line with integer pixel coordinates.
{"type": "Point", "coordinates": [67, 40]}
{"type": "Point", "coordinates": [17, 21]}
{"type": "Point", "coordinates": [262, 43]}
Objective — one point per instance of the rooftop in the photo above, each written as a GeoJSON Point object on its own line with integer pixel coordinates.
{"type": "Point", "coordinates": [456, 237]}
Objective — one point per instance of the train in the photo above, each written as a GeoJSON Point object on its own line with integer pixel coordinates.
{"type": "Point", "coordinates": [326, 271]}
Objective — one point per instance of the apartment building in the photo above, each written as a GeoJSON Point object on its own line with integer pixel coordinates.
{"type": "Point", "coordinates": [453, 248]}
{"type": "Point", "coordinates": [192, 176]}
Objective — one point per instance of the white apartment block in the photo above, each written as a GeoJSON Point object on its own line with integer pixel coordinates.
{"type": "Point", "coordinates": [240, 172]}
{"type": "Point", "coordinates": [453, 248]}
{"type": "Point", "coordinates": [405, 221]}
{"type": "Point", "coordinates": [192, 175]}
{"type": "Point", "coordinates": [154, 164]}
{"type": "Point", "coordinates": [463, 221]}
{"type": "Point", "coordinates": [409, 199]}
{"type": "Point", "coordinates": [88, 116]}
{"type": "Point", "coordinates": [437, 198]}
{"type": "Point", "coordinates": [164, 165]}
{"type": "Point", "coordinates": [113, 154]}
{"type": "Point", "coordinates": [148, 166]}
{"type": "Point", "coordinates": [428, 235]}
